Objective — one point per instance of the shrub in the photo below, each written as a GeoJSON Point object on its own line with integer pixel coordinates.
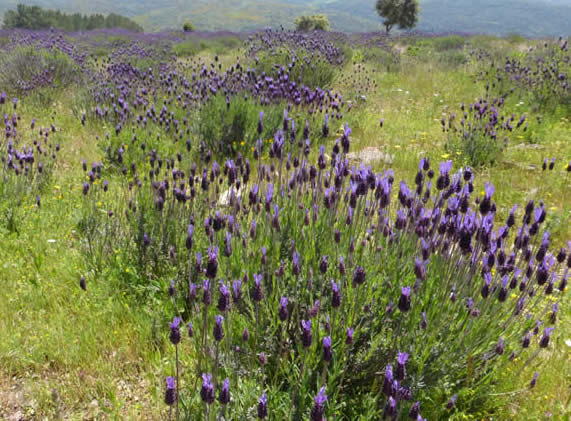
{"type": "Point", "coordinates": [188, 27]}
{"type": "Point", "coordinates": [228, 127]}
{"type": "Point", "coordinates": [193, 46]}
{"type": "Point", "coordinates": [480, 132]}
{"type": "Point", "coordinates": [302, 67]}
{"type": "Point", "coordinates": [347, 288]}
{"type": "Point", "coordinates": [27, 162]}
{"type": "Point", "coordinates": [312, 23]}
{"type": "Point", "coordinates": [452, 42]}
{"type": "Point", "coordinates": [540, 74]}
{"type": "Point", "coordinates": [24, 68]}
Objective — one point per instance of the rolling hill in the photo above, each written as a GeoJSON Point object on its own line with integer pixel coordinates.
{"type": "Point", "coordinates": [534, 18]}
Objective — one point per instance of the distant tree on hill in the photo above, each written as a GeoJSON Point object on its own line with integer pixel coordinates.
{"type": "Point", "coordinates": [403, 13]}
{"type": "Point", "coordinates": [312, 23]}
{"type": "Point", "coordinates": [34, 17]}
{"type": "Point", "coordinates": [188, 27]}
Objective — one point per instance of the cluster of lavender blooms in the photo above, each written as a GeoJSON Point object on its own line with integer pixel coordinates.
{"type": "Point", "coordinates": [543, 70]}
{"type": "Point", "coordinates": [316, 44]}
{"type": "Point", "coordinates": [38, 59]}
{"type": "Point", "coordinates": [317, 272]}
{"type": "Point", "coordinates": [27, 154]}
{"type": "Point", "coordinates": [481, 132]}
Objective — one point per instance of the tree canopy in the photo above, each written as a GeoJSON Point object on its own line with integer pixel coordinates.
{"type": "Point", "coordinates": [403, 13]}
{"type": "Point", "coordinates": [35, 17]}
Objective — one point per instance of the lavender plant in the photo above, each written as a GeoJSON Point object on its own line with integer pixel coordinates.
{"type": "Point", "coordinates": [482, 132]}
{"type": "Point", "coordinates": [382, 302]}
{"type": "Point", "coordinates": [27, 156]}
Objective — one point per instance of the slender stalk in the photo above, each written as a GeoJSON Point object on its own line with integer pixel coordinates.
{"type": "Point", "coordinates": [255, 338]}
{"type": "Point", "coordinates": [298, 383]}
{"type": "Point", "coordinates": [177, 381]}
{"type": "Point", "coordinates": [216, 365]}
{"type": "Point", "coordinates": [324, 373]}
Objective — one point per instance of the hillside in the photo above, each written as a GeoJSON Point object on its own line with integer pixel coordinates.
{"type": "Point", "coordinates": [527, 17]}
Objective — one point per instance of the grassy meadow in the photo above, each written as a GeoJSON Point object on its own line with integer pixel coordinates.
{"type": "Point", "coordinates": [101, 349]}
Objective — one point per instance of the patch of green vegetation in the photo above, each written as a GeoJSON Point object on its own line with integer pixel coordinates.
{"type": "Point", "coordinates": [193, 46]}
{"type": "Point", "coordinates": [87, 354]}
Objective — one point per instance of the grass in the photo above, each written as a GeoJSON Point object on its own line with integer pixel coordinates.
{"type": "Point", "coordinates": [94, 355]}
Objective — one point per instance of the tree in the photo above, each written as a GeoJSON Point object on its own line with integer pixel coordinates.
{"type": "Point", "coordinates": [312, 23]}
{"type": "Point", "coordinates": [188, 26]}
{"type": "Point", "coordinates": [34, 17]}
{"type": "Point", "coordinates": [403, 13]}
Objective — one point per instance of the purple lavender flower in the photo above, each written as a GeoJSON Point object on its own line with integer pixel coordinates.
{"type": "Point", "coordinates": [263, 406]}
{"type": "Point", "coordinates": [349, 336]}
{"type": "Point", "coordinates": [534, 380]}
{"type": "Point", "coordinates": [306, 333]}
{"type": "Point", "coordinates": [325, 128]}
{"type": "Point", "coordinates": [359, 276]}
{"type": "Point", "coordinates": [282, 312]}
{"type": "Point", "coordinates": [207, 390]}
{"type": "Point", "coordinates": [388, 382]}
{"type": "Point", "coordinates": [224, 394]}
{"type": "Point", "coordinates": [237, 290]}
{"type": "Point", "coordinates": [218, 329]}
{"type": "Point", "coordinates": [336, 298]}
{"type": "Point", "coordinates": [295, 263]}
{"type": "Point", "coordinates": [502, 295]}
{"type": "Point", "coordinates": [500, 347]}
{"type": "Point", "coordinates": [342, 269]}
{"type": "Point", "coordinates": [246, 335]}
{"type": "Point", "coordinates": [423, 323]}
{"type": "Point", "coordinates": [553, 314]}
{"type": "Point", "coordinates": [206, 296]}
{"type": "Point", "coordinates": [190, 330]}
{"type": "Point", "coordinates": [443, 180]}
{"type": "Point", "coordinates": [212, 264]}
{"type": "Point", "coordinates": [82, 283]}
{"type": "Point", "coordinates": [391, 408]}
{"type": "Point", "coordinates": [404, 300]}
{"type": "Point", "coordinates": [224, 299]}
{"type": "Point", "coordinates": [526, 340]}
{"type": "Point", "coordinates": [452, 402]}
{"type": "Point", "coordinates": [414, 412]}
{"type": "Point", "coordinates": [402, 358]}
{"type": "Point", "coordinates": [317, 410]}
{"type": "Point", "coordinates": [486, 202]}
{"type": "Point", "coordinates": [175, 331]}
{"type": "Point", "coordinates": [146, 240]}
{"type": "Point", "coordinates": [312, 312]}
{"type": "Point", "coordinates": [327, 354]}
{"type": "Point", "coordinates": [485, 291]}
{"type": "Point", "coordinates": [544, 341]}
{"type": "Point", "coordinates": [171, 289]}
{"type": "Point", "coordinates": [257, 294]}
{"type": "Point", "coordinates": [170, 393]}
{"type": "Point", "coordinates": [323, 264]}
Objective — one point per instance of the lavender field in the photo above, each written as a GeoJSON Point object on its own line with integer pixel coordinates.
{"type": "Point", "coordinates": [284, 225]}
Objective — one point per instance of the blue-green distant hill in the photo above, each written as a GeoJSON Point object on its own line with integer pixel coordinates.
{"type": "Point", "coordinates": [534, 18]}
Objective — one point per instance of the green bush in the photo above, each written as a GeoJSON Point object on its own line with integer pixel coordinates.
{"type": "Point", "coordinates": [312, 23]}
{"type": "Point", "coordinates": [24, 68]}
{"type": "Point", "coordinates": [188, 27]}
{"type": "Point", "coordinates": [452, 42]}
{"type": "Point", "coordinates": [312, 73]}
{"type": "Point", "coordinates": [227, 129]}
{"type": "Point", "coordinates": [193, 46]}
